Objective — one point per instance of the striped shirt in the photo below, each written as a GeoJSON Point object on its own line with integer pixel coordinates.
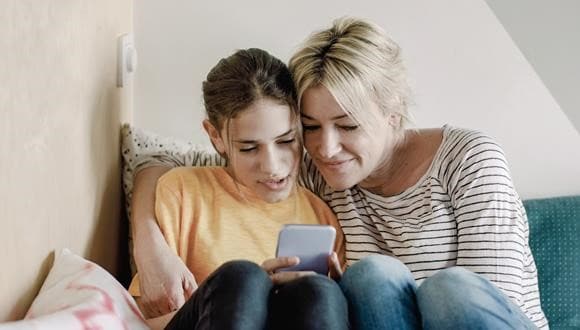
{"type": "Point", "coordinates": [464, 211]}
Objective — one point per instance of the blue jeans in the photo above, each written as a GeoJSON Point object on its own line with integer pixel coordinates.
{"type": "Point", "coordinates": [240, 295]}
{"type": "Point", "coordinates": [382, 294]}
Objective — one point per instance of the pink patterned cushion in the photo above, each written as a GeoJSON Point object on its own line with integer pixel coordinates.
{"type": "Point", "coordinates": [79, 294]}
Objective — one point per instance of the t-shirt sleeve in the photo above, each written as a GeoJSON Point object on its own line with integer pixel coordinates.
{"type": "Point", "coordinates": [168, 204]}
{"type": "Point", "coordinates": [492, 228]}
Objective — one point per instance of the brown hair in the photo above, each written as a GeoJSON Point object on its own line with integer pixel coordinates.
{"type": "Point", "coordinates": [243, 78]}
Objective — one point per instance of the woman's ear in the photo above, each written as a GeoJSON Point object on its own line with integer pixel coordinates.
{"type": "Point", "coordinates": [394, 119]}
{"type": "Point", "coordinates": [215, 137]}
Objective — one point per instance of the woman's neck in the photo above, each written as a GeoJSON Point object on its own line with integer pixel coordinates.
{"type": "Point", "coordinates": [383, 180]}
{"type": "Point", "coordinates": [405, 164]}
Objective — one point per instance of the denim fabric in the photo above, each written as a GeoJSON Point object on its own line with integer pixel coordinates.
{"type": "Point", "coordinates": [382, 294]}
{"type": "Point", "coordinates": [235, 296]}
{"type": "Point", "coordinates": [312, 302]}
{"type": "Point", "coordinates": [240, 295]}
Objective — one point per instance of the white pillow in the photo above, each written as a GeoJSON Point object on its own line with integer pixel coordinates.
{"type": "Point", "coordinates": [79, 294]}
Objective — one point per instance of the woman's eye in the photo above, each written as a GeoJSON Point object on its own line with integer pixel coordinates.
{"type": "Point", "coordinates": [310, 127]}
{"type": "Point", "coordinates": [348, 127]}
{"type": "Point", "coordinates": [287, 141]}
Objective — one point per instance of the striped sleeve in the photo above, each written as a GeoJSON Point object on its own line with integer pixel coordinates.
{"type": "Point", "coordinates": [195, 156]}
{"type": "Point", "coordinates": [492, 229]}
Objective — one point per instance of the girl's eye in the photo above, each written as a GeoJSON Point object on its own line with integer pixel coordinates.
{"type": "Point", "coordinates": [348, 127]}
{"type": "Point", "coordinates": [310, 127]}
{"type": "Point", "coordinates": [248, 149]}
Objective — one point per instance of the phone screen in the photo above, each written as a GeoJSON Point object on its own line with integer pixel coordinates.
{"type": "Point", "coordinates": [311, 243]}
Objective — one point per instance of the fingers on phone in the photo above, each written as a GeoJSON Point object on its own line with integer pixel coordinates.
{"type": "Point", "coordinates": [272, 265]}
{"type": "Point", "coordinates": [289, 261]}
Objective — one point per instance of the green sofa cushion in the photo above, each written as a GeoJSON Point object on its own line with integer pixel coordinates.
{"type": "Point", "coordinates": [554, 240]}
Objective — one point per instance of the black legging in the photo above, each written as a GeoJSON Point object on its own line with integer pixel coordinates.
{"type": "Point", "coordinates": [240, 295]}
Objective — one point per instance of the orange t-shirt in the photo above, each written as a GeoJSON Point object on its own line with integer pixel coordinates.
{"type": "Point", "coordinates": [207, 219]}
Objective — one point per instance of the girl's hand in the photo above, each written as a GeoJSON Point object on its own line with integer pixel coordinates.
{"type": "Point", "coordinates": [334, 269]}
{"type": "Point", "coordinates": [271, 265]}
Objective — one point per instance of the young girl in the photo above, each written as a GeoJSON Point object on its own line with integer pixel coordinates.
{"type": "Point", "coordinates": [212, 216]}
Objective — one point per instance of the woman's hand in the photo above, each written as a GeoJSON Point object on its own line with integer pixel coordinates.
{"type": "Point", "coordinates": [271, 265]}
{"type": "Point", "coordinates": [165, 282]}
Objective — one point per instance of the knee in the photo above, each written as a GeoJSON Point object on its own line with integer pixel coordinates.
{"type": "Point", "coordinates": [242, 272]}
{"type": "Point", "coordinates": [456, 298]}
{"type": "Point", "coordinates": [315, 287]}
{"type": "Point", "coordinates": [451, 290]}
{"type": "Point", "coordinates": [374, 272]}
{"type": "Point", "coordinates": [310, 302]}
{"type": "Point", "coordinates": [448, 284]}
{"type": "Point", "coordinates": [321, 294]}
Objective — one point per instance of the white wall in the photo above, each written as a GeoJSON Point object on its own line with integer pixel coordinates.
{"type": "Point", "coordinates": [464, 68]}
{"type": "Point", "coordinates": [548, 33]}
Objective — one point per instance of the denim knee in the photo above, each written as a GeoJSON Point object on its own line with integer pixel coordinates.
{"type": "Point", "coordinates": [368, 275]}
{"type": "Point", "coordinates": [317, 288]}
{"type": "Point", "coordinates": [456, 298]}
{"type": "Point", "coordinates": [310, 302]}
{"type": "Point", "coordinates": [239, 268]}
{"type": "Point", "coordinates": [448, 286]}
{"type": "Point", "coordinates": [381, 294]}
{"type": "Point", "coordinates": [242, 274]}
{"type": "Point", "coordinates": [238, 289]}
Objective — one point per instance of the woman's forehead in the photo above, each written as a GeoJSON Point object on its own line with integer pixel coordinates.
{"type": "Point", "coordinates": [318, 102]}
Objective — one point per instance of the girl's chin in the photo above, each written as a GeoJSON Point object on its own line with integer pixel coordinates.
{"type": "Point", "coordinates": [275, 197]}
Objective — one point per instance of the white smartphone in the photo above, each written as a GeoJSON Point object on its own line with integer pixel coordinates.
{"type": "Point", "coordinates": [311, 243]}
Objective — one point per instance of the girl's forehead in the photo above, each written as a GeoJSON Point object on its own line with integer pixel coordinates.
{"type": "Point", "coordinates": [262, 121]}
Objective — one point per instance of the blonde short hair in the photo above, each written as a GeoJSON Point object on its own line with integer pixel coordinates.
{"type": "Point", "coordinates": [357, 62]}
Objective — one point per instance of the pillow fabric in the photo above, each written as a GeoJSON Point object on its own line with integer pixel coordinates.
{"type": "Point", "coordinates": [79, 294]}
{"type": "Point", "coordinates": [554, 227]}
{"type": "Point", "coordinates": [141, 149]}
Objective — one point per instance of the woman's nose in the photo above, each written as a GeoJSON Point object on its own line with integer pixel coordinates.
{"type": "Point", "coordinates": [329, 144]}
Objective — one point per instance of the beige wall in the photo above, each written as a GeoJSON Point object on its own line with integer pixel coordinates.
{"type": "Point", "coordinates": [59, 139]}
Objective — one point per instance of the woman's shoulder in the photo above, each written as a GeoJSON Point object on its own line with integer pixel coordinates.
{"type": "Point", "coordinates": [462, 143]}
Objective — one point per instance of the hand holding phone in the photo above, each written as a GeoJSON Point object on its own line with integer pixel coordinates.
{"type": "Point", "coordinates": [312, 244]}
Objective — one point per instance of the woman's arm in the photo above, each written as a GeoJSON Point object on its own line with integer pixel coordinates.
{"type": "Point", "coordinates": [492, 228]}
{"type": "Point", "coordinates": [165, 281]}
{"type": "Point", "coordinates": [160, 322]}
